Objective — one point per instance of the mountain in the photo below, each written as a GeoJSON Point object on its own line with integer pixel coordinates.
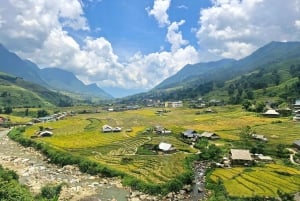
{"type": "Point", "coordinates": [11, 64]}
{"type": "Point", "coordinates": [223, 70]}
{"type": "Point", "coordinates": [55, 79]}
{"type": "Point", "coordinates": [197, 71]}
{"type": "Point", "coordinates": [17, 92]}
{"type": "Point", "coordinates": [67, 81]}
{"type": "Point", "coordinates": [271, 71]}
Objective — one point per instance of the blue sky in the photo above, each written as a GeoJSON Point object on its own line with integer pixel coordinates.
{"type": "Point", "coordinates": [128, 46]}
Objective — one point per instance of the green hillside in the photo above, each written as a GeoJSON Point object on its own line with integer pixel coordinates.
{"type": "Point", "coordinates": [16, 92]}
{"type": "Point", "coordinates": [270, 73]}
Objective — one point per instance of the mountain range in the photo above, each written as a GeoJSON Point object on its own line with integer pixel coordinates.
{"type": "Point", "coordinates": [53, 78]}
{"type": "Point", "coordinates": [272, 71]}
{"type": "Point", "coordinates": [267, 69]}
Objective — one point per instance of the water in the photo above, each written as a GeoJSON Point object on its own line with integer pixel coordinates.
{"type": "Point", "coordinates": [35, 172]}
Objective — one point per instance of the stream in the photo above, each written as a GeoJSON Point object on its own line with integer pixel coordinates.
{"type": "Point", "coordinates": [35, 172]}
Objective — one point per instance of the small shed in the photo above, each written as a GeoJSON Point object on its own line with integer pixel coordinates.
{"type": "Point", "coordinates": [210, 135]}
{"type": "Point", "coordinates": [166, 147]}
{"type": "Point", "coordinates": [271, 113]}
{"type": "Point", "coordinates": [45, 133]}
{"type": "Point", "coordinates": [106, 128]}
{"type": "Point", "coordinates": [241, 157]}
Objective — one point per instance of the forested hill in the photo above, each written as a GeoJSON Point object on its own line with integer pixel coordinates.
{"type": "Point", "coordinates": [51, 78]}
{"type": "Point", "coordinates": [270, 71]}
{"type": "Point", "coordinates": [16, 92]}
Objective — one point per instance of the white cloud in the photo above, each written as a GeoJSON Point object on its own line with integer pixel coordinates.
{"type": "Point", "coordinates": [183, 7]}
{"type": "Point", "coordinates": [159, 12]}
{"type": "Point", "coordinates": [174, 37]}
{"type": "Point", "coordinates": [297, 24]}
{"type": "Point", "coordinates": [235, 28]}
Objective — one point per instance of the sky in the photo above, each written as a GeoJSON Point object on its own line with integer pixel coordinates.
{"type": "Point", "coordinates": [130, 46]}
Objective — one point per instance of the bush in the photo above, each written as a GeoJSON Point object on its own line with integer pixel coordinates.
{"type": "Point", "coordinates": [50, 192]}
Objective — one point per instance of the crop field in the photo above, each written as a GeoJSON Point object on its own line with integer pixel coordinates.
{"type": "Point", "coordinates": [258, 181]}
{"type": "Point", "coordinates": [82, 135]}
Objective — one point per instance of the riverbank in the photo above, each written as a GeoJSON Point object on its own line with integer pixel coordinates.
{"type": "Point", "coordinates": [35, 172]}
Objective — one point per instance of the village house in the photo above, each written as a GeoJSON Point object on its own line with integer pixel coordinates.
{"type": "Point", "coordinates": [259, 137]}
{"type": "Point", "coordinates": [296, 144]}
{"type": "Point", "coordinates": [106, 128]}
{"type": "Point", "coordinates": [241, 157]}
{"type": "Point", "coordinates": [297, 105]}
{"type": "Point", "coordinates": [2, 120]}
{"type": "Point", "coordinates": [297, 115]}
{"type": "Point", "coordinates": [166, 147]}
{"type": "Point", "coordinates": [209, 135]}
{"type": "Point", "coordinates": [173, 104]}
{"type": "Point", "coordinates": [190, 134]}
{"type": "Point", "coordinates": [116, 129]}
{"type": "Point", "coordinates": [271, 113]}
{"type": "Point", "coordinates": [263, 158]}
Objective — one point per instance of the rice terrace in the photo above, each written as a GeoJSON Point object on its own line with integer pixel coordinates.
{"type": "Point", "coordinates": [134, 154]}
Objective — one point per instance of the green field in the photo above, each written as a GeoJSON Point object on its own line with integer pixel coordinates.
{"type": "Point", "coordinates": [81, 135]}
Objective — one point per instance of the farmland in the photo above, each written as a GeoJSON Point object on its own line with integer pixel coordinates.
{"type": "Point", "coordinates": [81, 135]}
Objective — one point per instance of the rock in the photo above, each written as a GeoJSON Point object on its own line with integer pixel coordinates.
{"type": "Point", "coordinates": [182, 192]}
{"type": "Point", "coordinates": [188, 188]}
{"type": "Point", "coordinates": [170, 195]}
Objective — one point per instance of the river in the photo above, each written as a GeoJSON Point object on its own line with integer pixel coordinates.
{"type": "Point", "coordinates": [35, 172]}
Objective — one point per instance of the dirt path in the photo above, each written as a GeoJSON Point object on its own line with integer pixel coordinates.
{"type": "Point", "coordinates": [35, 172]}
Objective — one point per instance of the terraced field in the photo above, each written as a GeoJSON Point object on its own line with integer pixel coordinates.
{"type": "Point", "coordinates": [258, 181]}
{"type": "Point", "coordinates": [82, 135]}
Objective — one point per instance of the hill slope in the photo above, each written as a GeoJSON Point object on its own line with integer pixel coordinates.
{"type": "Point", "coordinates": [16, 92]}
{"type": "Point", "coordinates": [268, 69]}
{"type": "Point", "coordinates": [67, 81]}
{"type": "Point", "coordinates": [56, 79]}
{"type": "Point", "coordinates": [223, 70]}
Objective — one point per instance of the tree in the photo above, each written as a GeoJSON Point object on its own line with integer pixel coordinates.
{"type": "Point", "coordinates": [42, 113]}
{"type": "Point", "coordinates": [8, 110]}
{"type": "Point", "coordinates": [26, 112]}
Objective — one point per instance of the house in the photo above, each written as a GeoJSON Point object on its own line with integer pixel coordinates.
{"type": "Point", "coordinates": [296, 144]}
{"type": "Point", "coordinates": [161, 130]}
{"type": "Point", "coordinates": [45, 133]}
{"type": "Point", "coordinates": [174, 104]}
{"type": "Point", "coordinates": [271, 113]}
{"type": "Point", "coordinates": [107, 128]}
{"type": "Point", "coordinates": [297, 115]}
{"type": "Point", "coordinates": [117, 129]}
{"type": "Point", "coordinates": [297, 105]}
{"type": "Point", "coordinates": [240, 157]}
{"type": "Point", "coordinates": [2, 120]}
{"type": "Point", "coordinates": [259, 137]}
{"type": "Point", "coordinates": [209, 135]}
{"type": "Point", "coordinates": [190, 134]}
{"type": "Point", "coordinates": [166, 147]}
{"type": "Point", "coordinates": [261, 157]}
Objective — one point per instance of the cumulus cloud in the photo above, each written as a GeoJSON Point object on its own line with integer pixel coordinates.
{"type": "Point", "coordinates": [234, 28]}
{"type": "Point", "coordinates": [174, 36]}
{"type": "Point", "coordinates": [159, 12]}
{"type": "Point", "coordinates": [36, 30]}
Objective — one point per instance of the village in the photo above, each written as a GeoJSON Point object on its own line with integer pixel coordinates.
{"type": "Point", "coordinates": [233, 156]}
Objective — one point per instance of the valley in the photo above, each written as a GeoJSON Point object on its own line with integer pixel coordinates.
{"type": "Point", "coordinates": [133, 153]}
